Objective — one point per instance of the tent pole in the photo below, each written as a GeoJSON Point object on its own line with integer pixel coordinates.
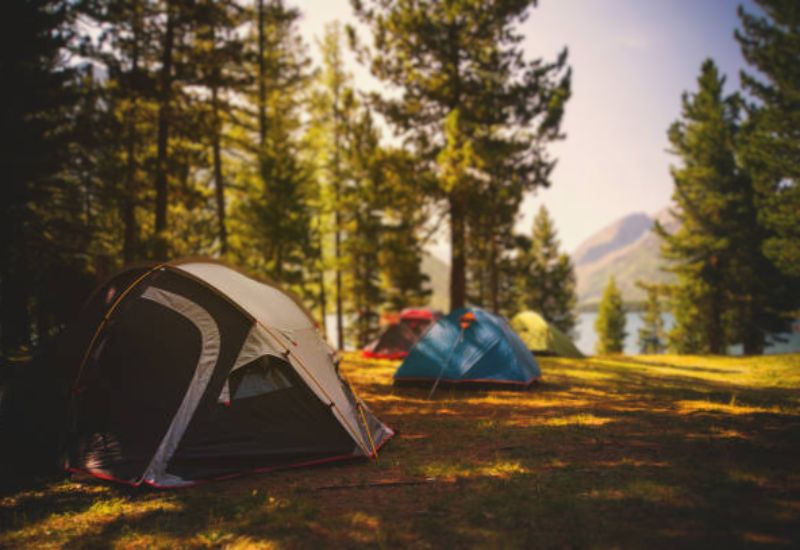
{"type": "Point", "coordinates": [444, 365]}
{"type": "Point", "coordinates": [366, 427]}
{"type": "Point", "coordinates": [104, 321]}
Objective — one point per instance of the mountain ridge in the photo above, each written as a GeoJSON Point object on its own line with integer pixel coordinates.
{"type": "Point", "coordinates": [629, 250]}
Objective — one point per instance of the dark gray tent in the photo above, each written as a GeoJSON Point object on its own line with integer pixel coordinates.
{"type": "Point", "coordinates": [191, 370]}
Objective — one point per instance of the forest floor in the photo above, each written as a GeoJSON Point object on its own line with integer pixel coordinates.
{"type": "Point", "coordinates": [645, 451]}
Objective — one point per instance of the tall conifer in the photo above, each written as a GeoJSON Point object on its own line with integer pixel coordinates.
{"type": "Point", "coordinates": [547, 277]}
{"type": "Point", "coordinates": [463, 79]}
{"type": "Point", "coordinates": [610, 322]}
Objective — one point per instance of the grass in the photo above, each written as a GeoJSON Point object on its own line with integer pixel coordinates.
{"type": "Point", "coordinates": [646, 451]}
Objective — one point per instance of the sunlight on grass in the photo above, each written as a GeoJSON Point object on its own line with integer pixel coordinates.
{"type": "Point", "coordinates": [586, 373]}
{"type": "Point", "coordinates": [498, 469]}
{"type": "Point", "coordinates": [247, 543]}
{"type": "Point", "coordinates": [366, 529]}
{"type": "Point", "coordinates": [148, 541]}
{"type": "Point", "coordinates": [641, 490]}
{"type": "Point", "coordinates": [726, 433]}
{"type": "Point", "coordinates": [689, 407]}
{"type": "Point", "coordinates": [779, 371]}
{"type": "Point", "coordinates": [631, 462]}
{"type": "Point", "coordinates": [577, 420]}
{"type": "Point", "coordinates": [530, 401]}
{"type": "Point", "coordinates": [568, 420]}
{"type": "Point", "coordinates": [68, 526]}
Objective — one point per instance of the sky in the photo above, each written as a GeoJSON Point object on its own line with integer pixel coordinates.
{"type": "Point", "coordinates": [631, 61]}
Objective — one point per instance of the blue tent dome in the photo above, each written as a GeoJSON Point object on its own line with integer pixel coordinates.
{"type": "Point", "coordinates": [470, 345]}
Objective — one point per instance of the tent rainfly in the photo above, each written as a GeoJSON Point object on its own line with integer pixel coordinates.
{"type": "Point", "coordinates": [190, 370]}
{"type": "Point", "coordinates": [469, 345]}
{"type": "Point", "coordinates": [399, 337]}
{"type": "Point", "coordinates": [541, 337]}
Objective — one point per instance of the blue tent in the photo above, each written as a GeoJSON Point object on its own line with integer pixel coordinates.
{"type": "Point", "coordinates": [470, 345]}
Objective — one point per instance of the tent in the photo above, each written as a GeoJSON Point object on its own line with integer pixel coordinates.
{"type": "Point", "coordinates": [191, 370]}
{"type": "Point", "coordinates": [400, 336]}
{"type": "Point", "coordinates": [469, 345]}
{"type": "Point", "coordinates": [541, 337]}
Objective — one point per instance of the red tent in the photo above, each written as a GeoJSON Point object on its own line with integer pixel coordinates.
{"type": "Point", "coordinates": [398, 338]}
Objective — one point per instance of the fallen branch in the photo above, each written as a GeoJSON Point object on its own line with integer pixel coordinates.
{"type": "Point", "coordinates": [399, 483]}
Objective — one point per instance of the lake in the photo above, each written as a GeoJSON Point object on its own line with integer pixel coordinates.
{"type": "Point", "coordinates": [586, 336]}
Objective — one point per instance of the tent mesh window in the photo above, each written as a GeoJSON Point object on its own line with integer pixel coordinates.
{"type": "Point", "coordinates": [260, 377]}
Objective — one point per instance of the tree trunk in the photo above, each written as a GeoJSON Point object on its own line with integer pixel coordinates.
{"type": "Point", "coordinates": [323, 305]}
{"type": "Point", "coordinates": [338, 256]}
{"type": "Point", "coordinates": [15, 318]}
{"type": "Point", "coordinates": [494, 279]}
{"type": "Point", "coordinates": [752, 337]}
{"type": "Point", "coordinates": [219, 183]}
{"type": "Point", "coordinates": [337, 217]}
{"type": "Point", "coordinates": [458, 281]}
{"type": "Point", "coordinates": [130, 240]}
{"type": "Point", "coordinates": [262, 91]}
{"type": "Point", "coordinates": [457, 252]}
{"type": "Point", "coordinates": [279, 262]}
{"type": "Point", "coordinates": [161, 245]}
{"type": "Point", "coordinates": [714, 334]}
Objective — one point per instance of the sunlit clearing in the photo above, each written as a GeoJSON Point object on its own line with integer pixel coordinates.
{"type": "Point", "coordinates": [688, 407]}
{"type": "Point", "coordinates": [499, 469]}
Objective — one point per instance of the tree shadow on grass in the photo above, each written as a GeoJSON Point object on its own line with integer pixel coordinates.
{"type": "Point", "coordinates": [621, 461]}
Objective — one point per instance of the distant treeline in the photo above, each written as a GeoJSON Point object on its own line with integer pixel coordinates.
{"type": "Point", "coordinates": [151, 129]}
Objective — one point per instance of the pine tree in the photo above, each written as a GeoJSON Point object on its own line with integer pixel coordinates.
{"type": "Point", "coordinates": [707, 188]}
{"type": "Point", "coordinates": [465, 81]}
{"type": "Point", "coordinates": [273, 216]}
{"type": "Point", "coordinates": [547, 277]}
{"type": "Point", "coordinates": [126, 49]}
{"type": "Point", "coordinates": [652, 334]}
{"type": "Point", "coordinates": [491, 215]}
{"type": "Point", "coordinates": [165, 99]}
{"type": "Point", "coordinates": [362, 202]}
{"type": "Point", "coordinates": [333, 110]}
{"type": "Point", "coordinates": [728, 290]}
{"type": "Point", "coordinates": [768, 283]}
{"type": "Point", "coordinates": [610, 322]}
{"type": "Point", "coordinates": [771, 44]}
{"type": "Point", "coordinates": [37, 96]}
{"type": "Point", "coordinates": [404, 215]}
{"type": "Point", "coordinates": [217, 58]}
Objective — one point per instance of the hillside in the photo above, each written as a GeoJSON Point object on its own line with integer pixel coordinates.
{"type": "Point", "coordinates": [612, 238]}
{"type": "Point", "coordinates": [628, 249]}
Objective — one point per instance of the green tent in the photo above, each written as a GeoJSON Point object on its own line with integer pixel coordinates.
{"type": "Point", "coordinates": [541, 337]}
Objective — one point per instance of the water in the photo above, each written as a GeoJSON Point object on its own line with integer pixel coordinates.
{"type": "Point", "coordinates": [587, 337]}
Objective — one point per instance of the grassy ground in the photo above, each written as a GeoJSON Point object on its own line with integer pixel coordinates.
{"type": "Point", "coordinates": [636, 452]}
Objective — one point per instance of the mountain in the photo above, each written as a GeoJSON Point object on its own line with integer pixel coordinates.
{"type": "Point", "coordinates": [628, 249]}
{"type": "Point", "coordinates": [613, 237]}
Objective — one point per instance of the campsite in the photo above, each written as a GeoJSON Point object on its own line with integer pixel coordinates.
{"type": "Point", "coordinates": [400, 274]}
{"type": "Point", "coordinates": [660, 451]}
